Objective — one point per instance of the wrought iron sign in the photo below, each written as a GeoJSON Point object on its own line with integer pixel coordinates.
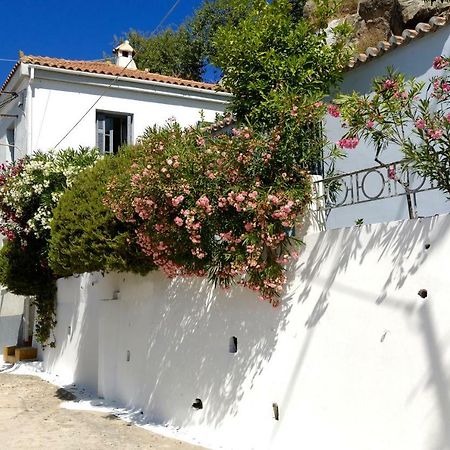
{"type": "Point", "coordinates": [375, 183]}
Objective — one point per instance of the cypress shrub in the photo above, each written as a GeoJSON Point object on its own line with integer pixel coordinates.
{"type": "Point", "coordinates": [85, 235]}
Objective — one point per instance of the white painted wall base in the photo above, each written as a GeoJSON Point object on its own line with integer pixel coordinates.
{"type": "Point", "coordinates": [354, 358]}
{"type": "Point", "coordinates": [11, 313]}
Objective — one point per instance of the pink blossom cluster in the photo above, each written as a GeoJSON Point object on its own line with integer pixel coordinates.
{"type": "Point", "coordinates": [348, 143]}
{"type": "Point", "coordinates": [333, 110]}
{"type": "Point", "coordinates": [440, 63]}
{"type": "Point", "coordinates": [214, 209]}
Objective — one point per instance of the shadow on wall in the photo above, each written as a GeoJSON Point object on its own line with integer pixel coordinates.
{"type": "Point", "coordinates": [188, 348]}
{"type": "Point", "coordinates": [402, 249]}
{"type": "Point", "coordinates": [75, 358]}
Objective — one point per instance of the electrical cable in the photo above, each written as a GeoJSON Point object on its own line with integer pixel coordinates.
{"type": "Point", "coordinates": [114, 80]}
{"type": "Point", "coordinates": [171, 10]}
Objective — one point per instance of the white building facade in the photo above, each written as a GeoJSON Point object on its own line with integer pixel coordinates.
{"type": "Point", "coordinates": [49, 103]}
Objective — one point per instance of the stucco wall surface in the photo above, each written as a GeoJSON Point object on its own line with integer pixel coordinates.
{"type": "Point", "coordinates": [58, 104]}
{"type": "Point", "coordinates": [414, 60]}
{"type": "Point", "coordinates": [11, 313]}
{"type": "Point", "coordinates": [354, 357]}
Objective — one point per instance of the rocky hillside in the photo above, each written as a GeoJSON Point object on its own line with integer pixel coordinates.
{"type": "Point", "coordinates": [378, 20]}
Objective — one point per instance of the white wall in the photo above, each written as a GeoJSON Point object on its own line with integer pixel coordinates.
{"type": "Point", "coordinates": [414, 60]}
{"type": "Point", "coordinates": [354, 357]}
{"type": "Point", "coordinates": [60, 100]}
{"type": "Point", "coordinates": [17, 107]}
{"type": "Point", "coordinates": [11, 313]}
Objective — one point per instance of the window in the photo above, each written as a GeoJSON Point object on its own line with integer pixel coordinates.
{"type": "Point", "coordinates": [113, 131]}
{"type": "Point", "coordinates": [11, 143]}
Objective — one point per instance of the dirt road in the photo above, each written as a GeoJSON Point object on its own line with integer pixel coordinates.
{"type": "Point", "coordinates": [30, 418]}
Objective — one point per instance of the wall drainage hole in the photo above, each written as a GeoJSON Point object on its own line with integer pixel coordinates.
{"type": "Point", "coordinates": [128, 355]}
{"type": "Point", "coordinates": [423, 293]}
{"type": "Point", "coordinates": [276, 411]}
{"type": "Point", "coordinates": [232, 346]}
{"type": "Point", "coordinates": [198, 404]}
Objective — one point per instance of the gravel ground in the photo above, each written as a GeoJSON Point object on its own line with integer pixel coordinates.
{"type": "Point", "coordinates": [30, 418]}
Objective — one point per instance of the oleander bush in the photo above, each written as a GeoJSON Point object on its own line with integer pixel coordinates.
{"type": "Point", "coordinates": [219, 206]}
{"type": "Point", "coordinates": [406, 114]}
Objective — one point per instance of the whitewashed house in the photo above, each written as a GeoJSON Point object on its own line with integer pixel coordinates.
{"type": "Point", "coordinates": [353, 359]}
{"type": "Point", "coordinates": [50, 103]}
{"type": "Point", "coordinates": [57, 103]}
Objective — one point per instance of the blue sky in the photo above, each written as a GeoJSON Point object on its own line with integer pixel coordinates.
{"type": "Point", "coordinates": [76, 29]}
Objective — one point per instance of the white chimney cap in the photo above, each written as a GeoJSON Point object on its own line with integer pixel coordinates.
{"type": "Point", "coordinates": [124, 47]}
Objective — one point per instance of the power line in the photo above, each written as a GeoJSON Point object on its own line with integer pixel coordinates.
{"type": "Point", "coordinates": [115, 79]}
{"type": "Point", "coordinates": [171, 10]}
{"type": "Point", "coordinates": [92, 106]}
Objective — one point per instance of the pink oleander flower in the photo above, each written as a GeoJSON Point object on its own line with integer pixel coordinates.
{"type": "Point", "coordinates": [248, 226]}
{"type": "Point", "coordinates": [318, 104]}
{"type": "Point", "coordinates": [370, 124]}
{"type": "Point", "coordinates": [348, 143]}
{"type": "Point", "coordinates": [447, 117]}
{"type": "Point", "coordinates": [177, 200]}
{"type": "Point", "coordinates": [294, 111]}
{"type": "Point", "coordinates": [253, 195]}
{"type": "Point", "coordinates": [439, 63]}
{"type": "Point", "coordinates": [391, 172]}
{"type": "Point", "coordinates": [420, 124]}
{"type": "Point", "coordinates": [203, 202]}
{"type": "Point", "coordinates": [333, 111]}
{"type": "Point", "coordinates": [389, 84]}
{"type": "Point", "coordinates": [273, 199]}
{"type": "Point", "coordinates": [179, 221]}
{"type": "Point", "coordinates": [434, 134]}
{"type": "Point", "coordinates": [200, 142]}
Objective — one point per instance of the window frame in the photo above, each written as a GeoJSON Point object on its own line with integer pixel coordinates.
{"type": "Point", "coordinates": [101, 118]}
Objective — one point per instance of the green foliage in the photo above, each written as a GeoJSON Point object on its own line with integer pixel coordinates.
{"type": "Point", "coordinates": [217, 205]}
{"type": "Point", "coordinates": [270, 58]}
{"type": "Point", "coordinates": [172, 52]}
{"type": "Point", "coordinates": [85, 235]}
{"type": "Point", "coordinates": [29, 190]}
{"type": "Point", "coordinates": [408, 115]}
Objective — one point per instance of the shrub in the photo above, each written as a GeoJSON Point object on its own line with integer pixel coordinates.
{"type": "Point", "coordinates": [216, 205]}
{"type": "Point", "coordinates": [29, 190]}
{"type": "Point", "coordinates": [406, 114]}
{"type": "Point", "coordinates": [85, 235]}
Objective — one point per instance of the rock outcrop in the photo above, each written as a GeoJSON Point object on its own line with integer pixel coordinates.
{"type": "Point", "coordinates": [378, 20]}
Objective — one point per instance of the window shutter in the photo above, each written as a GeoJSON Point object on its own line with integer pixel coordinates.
{"type": "Point", "coordinates": [130, 129]}
{"type": "Point", "coordinates": [101, 132]}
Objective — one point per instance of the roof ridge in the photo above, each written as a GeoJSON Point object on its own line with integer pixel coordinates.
{"type": "Point", "coordinates": [409, 34]}
{"type": "Point", "coordinates": [104, 68]}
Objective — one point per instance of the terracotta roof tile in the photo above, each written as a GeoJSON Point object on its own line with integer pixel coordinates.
{"type": "Point", "coordinates": [407, 36]}
{"type": "Point", "coordinates": [107, 69]}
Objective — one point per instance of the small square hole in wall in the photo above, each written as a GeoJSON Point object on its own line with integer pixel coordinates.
{"type": "Point", "coordinates": [128, 355]}
{"type": "Point", "coordinates": [198, 404]}
{"type": "Point", "coordinates": [232, 346]}
{"type": "Point", "coordinates": [276, 411]}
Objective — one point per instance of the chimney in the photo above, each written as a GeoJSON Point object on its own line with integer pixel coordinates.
{"type": "Point", "coordinates": [124, 55]}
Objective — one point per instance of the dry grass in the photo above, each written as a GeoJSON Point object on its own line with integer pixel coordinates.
{"type": "Point", "coordinates": [347, 7]}
{"type": "Point", "coordinates": [370, 39]}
